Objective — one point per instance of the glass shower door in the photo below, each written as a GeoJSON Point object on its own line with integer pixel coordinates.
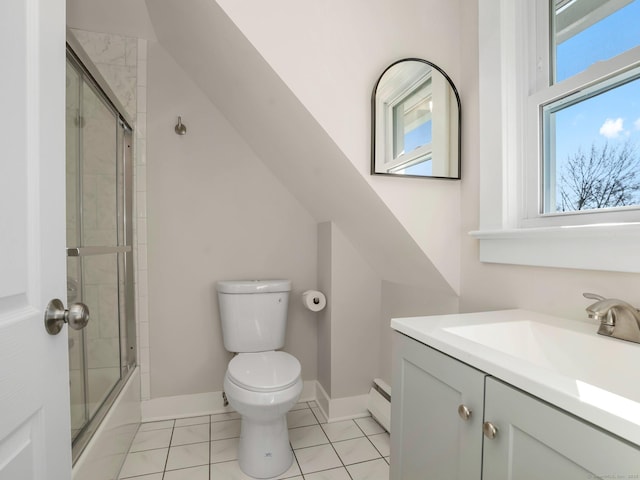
{"type": "Point", "coordinates": [99, 250]}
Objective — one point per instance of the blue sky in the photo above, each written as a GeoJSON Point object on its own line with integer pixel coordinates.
{"type": "Point", "coordinates": [613, 116]}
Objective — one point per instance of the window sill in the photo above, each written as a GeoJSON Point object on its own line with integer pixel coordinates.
{"type": "Point", "coordinates": [610, 247]}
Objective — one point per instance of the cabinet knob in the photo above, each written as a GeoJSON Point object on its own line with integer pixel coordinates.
{"type": "Point", "coordinates": [464, 412]}
{"type": "Point", "coordinates": [490, 430]}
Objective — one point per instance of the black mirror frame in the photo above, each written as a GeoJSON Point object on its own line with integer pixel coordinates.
{"type": "Point", "coordinates": [373, 122]}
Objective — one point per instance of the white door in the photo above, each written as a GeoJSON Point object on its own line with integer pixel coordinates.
{"type": "Point", "coordinates": [35, 439]}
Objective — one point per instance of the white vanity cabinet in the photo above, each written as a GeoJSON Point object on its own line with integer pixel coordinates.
{"type": "Point", "coordinates": [537, 441]}
{"type": "Point", "coordinates": [429, 438]}
{"type": "Point", "coordinates": [534, 440]}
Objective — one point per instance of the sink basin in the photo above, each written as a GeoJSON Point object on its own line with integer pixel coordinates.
{"type": "Point", "coordinates": [571, 352]}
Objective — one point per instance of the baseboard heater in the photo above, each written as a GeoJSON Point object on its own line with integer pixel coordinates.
{"type": "Point", "coordinates": [379, 403]}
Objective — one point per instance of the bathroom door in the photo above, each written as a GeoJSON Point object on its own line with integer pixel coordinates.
{"type": "Point", "coordinates": [35, 438]}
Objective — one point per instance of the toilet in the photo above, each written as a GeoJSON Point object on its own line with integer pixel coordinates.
{"type": "Point", "coordinates": [261, 383]}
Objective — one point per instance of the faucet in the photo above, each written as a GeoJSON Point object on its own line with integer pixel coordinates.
{"type": "Point", "coordinates": [617, 318]}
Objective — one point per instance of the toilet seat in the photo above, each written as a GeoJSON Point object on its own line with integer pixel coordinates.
{"type": "Point", "coordinates": [264, 371]}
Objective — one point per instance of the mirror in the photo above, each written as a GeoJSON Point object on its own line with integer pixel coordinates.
{"type": "Point", "coordinates": [415, 125]}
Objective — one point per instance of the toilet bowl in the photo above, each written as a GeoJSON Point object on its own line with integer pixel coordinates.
{"type": "Point", "coordinates": [262, 387]}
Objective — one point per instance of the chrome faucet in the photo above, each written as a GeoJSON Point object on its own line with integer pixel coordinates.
{"type": "Point", "coordinates": [617, 318]}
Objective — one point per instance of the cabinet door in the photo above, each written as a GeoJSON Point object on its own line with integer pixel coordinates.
{"type": "Point", "coordinates": [536, 441]}
{"type": "Point", "coordinates": [429, 440]}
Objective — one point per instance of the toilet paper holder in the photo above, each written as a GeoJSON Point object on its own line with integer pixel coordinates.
{"type": "Point", "coordinates": [314, 300]}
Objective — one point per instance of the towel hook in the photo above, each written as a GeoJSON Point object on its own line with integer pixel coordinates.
{"type": "Point", "coordinates": [181, 128]}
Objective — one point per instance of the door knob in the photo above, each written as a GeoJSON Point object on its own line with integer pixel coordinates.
{"type": "Point", "coordinates": [464, 412]}
{"type": "Point", "coordinates": [77, 316]}
{"type": "Point", "coordinates": [490, 430]}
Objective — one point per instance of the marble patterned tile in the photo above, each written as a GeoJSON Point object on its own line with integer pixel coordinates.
{"type": "Point", "coordinates": [315, 459]}
{"type": "Point", "coordinates": [192, 473]}
{"type": "Point", "coordinates": [301, 418]}
{"type": "Point", "coordinates": [345, 430]}
{"type": "Point", "coordinates": [356, 450]}
{"type": "Point", "coordinates": [225, 429]}
{"type": "Point", "coordinates": [184, 456]}
{"type": "Point", "coordinates": [224, 450]}
{"type": "Point", "coordinates": [299, 406]}
{"type": "Point", "coordinates": [151, 439]}
{"type": "Point", "coordinates": [382, 442]}
{"type": "Point", "coordinates": [183, 422]}
{"type": "Point", "coordinates": [292, 472]}
{"type": "Point", "coordinates": [221, 417]}
{"type": "Point", "coordinates": [319, 415]}
{"type": "Point", "coordinates": [369, 426]}
{"type": "Point", "coordinates": [372, 470]}
{"type": "Point", "coordinates": [333, 474]}
{"type": "Point", "coordinates": [190, 434]}
{"type": "Point", "coordinates": [156, 425]}
{"type": "Point", "coordinates": [307, 436]}
{"type": "Point", "coordinates": [227, 471]}
{"type": "Point", "coordinates": [142, 463]}
{"type": "Point", "coordinates": [151, 476]}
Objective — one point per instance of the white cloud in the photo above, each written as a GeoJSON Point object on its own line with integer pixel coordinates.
{"type": "Point", "coordinates": [612, 128]}
{"type": "Point", "coordinates": [636, 124]}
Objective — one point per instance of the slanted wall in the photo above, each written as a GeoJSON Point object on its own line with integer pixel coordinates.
{"type": "Point", "coordinates": [289, 140]}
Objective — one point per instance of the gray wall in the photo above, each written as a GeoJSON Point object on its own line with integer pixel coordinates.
{"type": "Point", "coordinates": [214, 212]}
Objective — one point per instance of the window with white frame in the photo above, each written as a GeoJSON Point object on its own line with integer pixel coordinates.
{"type": "Point", "coordinates": [584, 114]}
{"type": "Point", "coordinates": [560, 133]}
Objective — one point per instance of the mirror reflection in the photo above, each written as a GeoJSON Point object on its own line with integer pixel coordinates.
{"type": "Point", "coordinates": [415, 122]}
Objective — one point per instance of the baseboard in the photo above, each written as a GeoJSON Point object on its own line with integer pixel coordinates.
{"type": "Point", "coordinates": [194, 405]}
{"type": "Point", "coordinates": [337, 409]}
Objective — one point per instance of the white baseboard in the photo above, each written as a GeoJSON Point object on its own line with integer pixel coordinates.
{"type": "Point", "coordinates": [338, 409]}
{"type": "Point", "coordinates": [182, 406]}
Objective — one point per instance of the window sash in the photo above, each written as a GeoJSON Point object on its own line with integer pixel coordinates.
{"type": "Point", "coordinates": [543, 93]}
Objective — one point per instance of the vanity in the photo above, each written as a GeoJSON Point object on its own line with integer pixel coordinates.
{"type": "Point", "coordinates": [512, 394]}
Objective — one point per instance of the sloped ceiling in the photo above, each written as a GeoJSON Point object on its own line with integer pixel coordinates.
{"type": "Point", "coordinates": [237, 79]}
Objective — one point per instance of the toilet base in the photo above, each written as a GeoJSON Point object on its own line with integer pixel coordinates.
{"type": "Point", "coordinates": [264, 450]}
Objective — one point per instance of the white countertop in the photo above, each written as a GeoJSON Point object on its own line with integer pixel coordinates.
{"type": "Point", "coordinates": [561, 361]}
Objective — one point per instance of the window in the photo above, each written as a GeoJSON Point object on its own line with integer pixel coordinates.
{"type": "Point", "coordinates": [560, 90]}
{"type": "Point", "coordinates": [583, 115]}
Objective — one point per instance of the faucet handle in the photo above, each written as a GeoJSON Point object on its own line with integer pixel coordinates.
{"type": "Point", "coordinates": [593, 296]}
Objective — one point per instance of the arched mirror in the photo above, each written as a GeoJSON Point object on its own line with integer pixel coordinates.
{"type": "Point", "coordinates": [415, 129]}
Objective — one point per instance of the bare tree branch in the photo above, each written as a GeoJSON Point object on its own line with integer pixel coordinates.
{"type": "Point", "coordinates": [607, 176]}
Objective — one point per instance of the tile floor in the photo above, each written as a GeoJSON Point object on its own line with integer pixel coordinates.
{"type": "Point", "coordinates": [205, 448]}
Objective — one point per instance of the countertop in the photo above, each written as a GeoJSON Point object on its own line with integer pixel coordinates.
{"type": "Point", "coordinates": [561, 361]}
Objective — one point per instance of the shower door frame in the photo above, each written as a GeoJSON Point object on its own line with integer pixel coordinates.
{"type": "Point", "coordinates": [127, 322]}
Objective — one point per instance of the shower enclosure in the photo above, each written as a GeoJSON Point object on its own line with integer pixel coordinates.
{"type": "Point", "coordinates": [99, 175]}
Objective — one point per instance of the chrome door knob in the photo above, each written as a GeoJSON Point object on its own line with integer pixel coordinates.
{"type": "Point", "coordinates": [77, 316]}
{"type": "Point", "coordinates": [490, 430]}
{"type": "Point", "coordinates": [464, 412]}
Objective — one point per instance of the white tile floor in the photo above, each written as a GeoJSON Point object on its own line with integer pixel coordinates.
{"type": "Point", "coordinates": [206, 448]}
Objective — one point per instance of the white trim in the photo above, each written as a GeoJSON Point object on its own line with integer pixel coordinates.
{"type": "Point", "coordinates": [106, 451]}
{"type": "Point", "coordinates": [194, 405]}
{"type": "Point", "coordinates": [345, 408]}
{"type": "Point", "coordinates": [504, 81]}
{"type": "Point", "coordinates": [592, 247]}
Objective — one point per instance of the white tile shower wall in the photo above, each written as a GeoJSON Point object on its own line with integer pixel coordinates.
{"type": "Point", "coordinates": [123, 63]}
{"type": "Point", "coordinates": [140, 175]}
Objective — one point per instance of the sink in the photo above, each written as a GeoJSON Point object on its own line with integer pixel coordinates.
{"type": "Point", "coordinates": [564, 362]}
{"type": "Point", "coordinates": [566, 350]}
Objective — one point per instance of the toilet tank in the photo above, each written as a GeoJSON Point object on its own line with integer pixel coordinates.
{"type": "Point", "coordinates": [253, 314]}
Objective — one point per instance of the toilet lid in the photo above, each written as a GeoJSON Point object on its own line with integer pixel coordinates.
{"type": "Point", "coordinates": [264, 371]}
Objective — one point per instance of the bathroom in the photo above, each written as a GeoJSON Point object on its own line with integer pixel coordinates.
{"type": "Point", "coordinates": [272, 180]}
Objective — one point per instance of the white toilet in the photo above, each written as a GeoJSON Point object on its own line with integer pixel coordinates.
{"type": "Point", "coordinates": [261, 384]}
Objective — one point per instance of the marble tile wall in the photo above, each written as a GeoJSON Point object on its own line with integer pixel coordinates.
{"type": "Point", "coordinates": [122, 61]}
